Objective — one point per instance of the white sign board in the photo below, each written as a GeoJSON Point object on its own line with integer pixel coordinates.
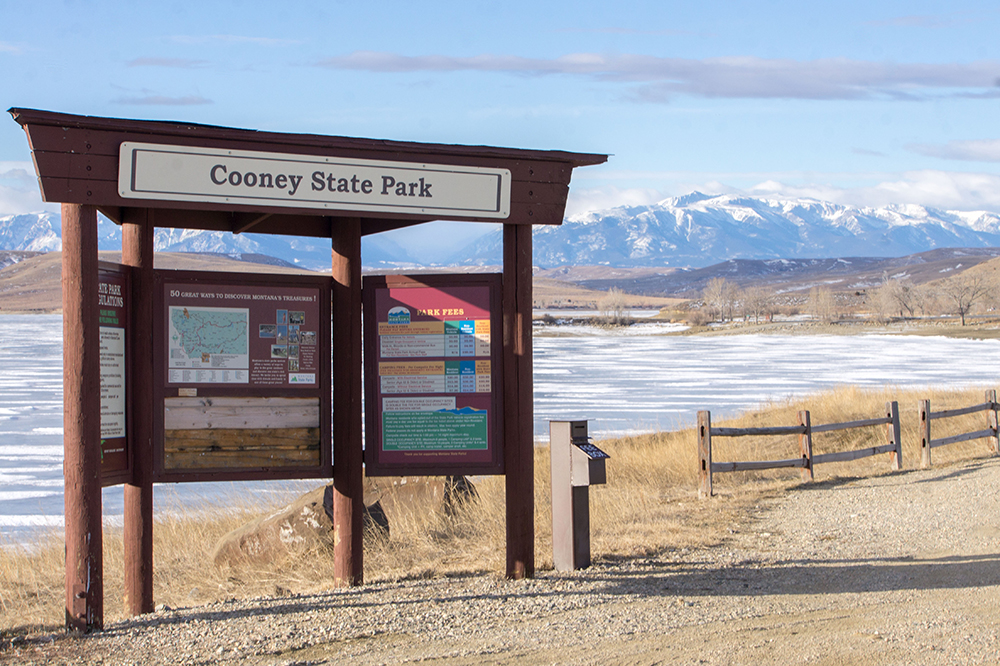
{"type": "Point", "coordinates": [112, 382]}
{"type": "Point", "coordinates": [184, 173]}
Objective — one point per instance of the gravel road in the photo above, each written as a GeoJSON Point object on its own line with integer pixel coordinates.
{"type": "Point", "coordinates": [897, 569]}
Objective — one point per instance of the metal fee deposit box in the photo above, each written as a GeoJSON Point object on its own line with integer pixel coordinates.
{"type": "Point", "coordinates": [576, 464]}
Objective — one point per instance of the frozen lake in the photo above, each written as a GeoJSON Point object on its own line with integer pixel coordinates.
{"type": "Point", "coordinates": [633, 383]}
{"type": "Point", "coordinates": [621, 383]}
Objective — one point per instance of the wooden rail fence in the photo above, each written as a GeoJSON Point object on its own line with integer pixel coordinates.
{"type": "Point", "coordinates": [991, 431]}
{"type": "Point", "coordinates": [805, 430]}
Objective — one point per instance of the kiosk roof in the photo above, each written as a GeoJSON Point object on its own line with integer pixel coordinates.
{"type": "Point", "coordinates": [77, 160]}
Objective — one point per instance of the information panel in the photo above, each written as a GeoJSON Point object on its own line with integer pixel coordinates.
{"type": "Point", "coordinates": [244, 375]}
{"type": "Point", "coordinates": [254, 335]}
{"type": "Point", "coordinates": [432, 374]}
{"type": "Point", "coordinates": [113, 295]}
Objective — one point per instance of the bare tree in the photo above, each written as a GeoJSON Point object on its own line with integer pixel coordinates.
{"type": "Point", "coordinates": [822, 304]}
{"type": "Point", "coordinates": [719, 297]}
{"type": "Point", "coordinates": [882, 301]}
{"type": "Point", "coordinates": [613, 307]}
{"type": "Point", "coordinates": [898, 295]}
{"type": "Point", "coordinates": [756, 302]}
{"type": "Point", "coordinates": [964, 291]}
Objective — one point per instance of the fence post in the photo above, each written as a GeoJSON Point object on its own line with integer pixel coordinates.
{"type": "Point", "coordinates": [991, 420]}
{"type": "Point", "coordinates": [892, 432]}
{"type": "Point", "coordinates": [806, 445]}
{"type": "Point", "coordinates": [705, 453]}
{"type": "Point", "coordinates": [925, 433]}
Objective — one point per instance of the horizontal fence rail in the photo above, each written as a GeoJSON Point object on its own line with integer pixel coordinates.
{"type": "Point", "coordinates": [992, 432]}
{"type": "Point", "coordinates": [805, 430]}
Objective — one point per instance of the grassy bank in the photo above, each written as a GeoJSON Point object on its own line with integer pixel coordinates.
{"type": "Point", "coordinates": [648, 506]}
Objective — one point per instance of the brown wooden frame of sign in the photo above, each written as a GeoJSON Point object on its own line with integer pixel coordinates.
{"type": "Point", "coordinates": [213, 401]}
{"type": "Point", "coordinates": [76, 159]}
{"type": "Point", "coordinates": [376, 463]}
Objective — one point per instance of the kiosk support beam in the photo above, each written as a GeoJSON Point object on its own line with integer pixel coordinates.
{"type": "Point", "coordinates": [348, 482]}
{"type": "Point", "coordinates": [519, 454]}
{"type": "Point", "coordinates": [137, 251]}
{"type": "Point", "coordinates": [82, 420]}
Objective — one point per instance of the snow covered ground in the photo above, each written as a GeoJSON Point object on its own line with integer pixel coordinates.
{"type": "Point", "coordinates": [622, 382]}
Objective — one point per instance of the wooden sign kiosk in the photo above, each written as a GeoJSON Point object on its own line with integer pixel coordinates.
{"type": "Point", "coordinates": [144, 174]}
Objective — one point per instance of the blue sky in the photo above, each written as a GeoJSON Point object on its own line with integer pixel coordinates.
{"type": "Point", "coordinates": [863, 103]}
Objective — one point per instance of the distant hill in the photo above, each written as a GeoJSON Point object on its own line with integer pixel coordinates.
{"type": "Point", "coordinates": [839, 274]}
{"type": "Point", "coordinates": [33, 282]}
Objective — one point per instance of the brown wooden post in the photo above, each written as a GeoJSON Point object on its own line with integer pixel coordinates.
{"type": "Point", "coordinates": [893, 434]}
{"type": "Point", "coordinates": [991, 420]}
{"type": "Point", "coordinates": [137, 251]}
{"type": "Point", "coordinates": [704, 454]}
{"type": "Point", "coordinates": [519, 454]}
{"type": "Point", "coordinates": [82, 420]}
{"type": "Point", "coordinates": [348, 455]}
{"type": "Point", "coordinates": [806, 445]}
{"type": "Point", "coordinates": [925, 433]}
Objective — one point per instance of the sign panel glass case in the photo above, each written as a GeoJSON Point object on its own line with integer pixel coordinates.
{"type": "Point", "coordinates": [433, 349]}
{"type": "Point", "coordinates": [243, 376]}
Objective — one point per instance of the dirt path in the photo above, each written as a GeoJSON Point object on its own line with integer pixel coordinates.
{"type": "Point", "coordinates": [898, 569]}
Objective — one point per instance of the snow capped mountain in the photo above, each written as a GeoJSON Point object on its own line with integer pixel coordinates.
{"type": "Point", "coordinates": [699, 230]}
{"type": "Point", "coordinates": [30, 233]}
{"type": "Point", "coordinates": [694, 230]}
{"type": "Point", "coordinates": [41, 232]}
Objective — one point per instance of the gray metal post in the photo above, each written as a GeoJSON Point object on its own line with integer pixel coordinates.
{"type": "Point", "coordinates": [575, 465]}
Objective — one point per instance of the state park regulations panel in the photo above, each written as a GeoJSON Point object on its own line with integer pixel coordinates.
{"type": "Point", "coordinates": [243, 374]}
{"type": "Point", "coordinates": [432, 367]}
{"type": "Point", "coordinates": [113, 314]}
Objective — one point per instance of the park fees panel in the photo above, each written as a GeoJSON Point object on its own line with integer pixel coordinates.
{"type": "Point", "coordinates": [432, 374]}
{"type": "Point", "coordinates": [243, 374]}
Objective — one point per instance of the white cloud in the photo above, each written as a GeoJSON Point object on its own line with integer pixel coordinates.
{"type": "Point", "coordinates": [658, 79]}
{"type": "Point", "coordinates": [174, 63]}
{"type": "Point", "coordinates": [19, 191]}
{"type": "Point", "coordinates": [915, 21]}
{"type": "Point", "coordinates": [585, 199]}
{"type": "Point", "coordinates": [6, 47]}
{"type": "Point", "coordinates": [232, 39]}
{"type": "Point", "coordinates": [947, 190]}
{"type": "Point", "coordinates": [163, 100]}
{"type": "Point", "coordinates": [17, 201]}
{"type": "Point", "coordinates": [981, 150]}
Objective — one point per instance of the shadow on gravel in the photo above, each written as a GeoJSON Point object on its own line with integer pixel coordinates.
{"type": "Point", "coordinates": [968, 467]}
{"type": "Point", "coordinates": [810, 577]}
{"type": "Point", "coordinates": [615, 579]}
{"type": "Point", "coordinates": [644, 578]}
{"type": "Point", "coordinates": [954, 470]}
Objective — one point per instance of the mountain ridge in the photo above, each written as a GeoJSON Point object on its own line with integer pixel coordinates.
{"type": "Point", "coordinates": [699, 230]}
{"type": "Point", "coordinates": [690, 231]}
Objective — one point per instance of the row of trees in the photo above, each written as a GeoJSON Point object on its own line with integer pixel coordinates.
{"type": "Point", "coordinates": [894, 297]}
{"type": "Point", "coordinates": [725, 301]}
{"type": "Point", "coordinates": [959, 295]}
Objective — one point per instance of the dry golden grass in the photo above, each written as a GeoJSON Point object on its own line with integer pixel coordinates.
{"type": "Point", "coordinates": [649, 505]}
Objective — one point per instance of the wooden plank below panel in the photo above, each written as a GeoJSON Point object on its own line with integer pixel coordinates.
{"type": "Point", "coordinates": [241, 448]}
{"type": "Point", "coordinates": [248, 401]}
{"type": "Point", "coordinates": [188, 460]}
{"type": "Point", "coordinates": [242, 413]}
